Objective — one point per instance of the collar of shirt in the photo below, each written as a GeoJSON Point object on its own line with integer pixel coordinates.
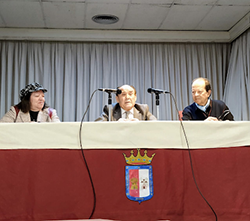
{"type": "Point", "coordinates": [131, 113]}
{"type": "Point", "coordinates": [203, 108]}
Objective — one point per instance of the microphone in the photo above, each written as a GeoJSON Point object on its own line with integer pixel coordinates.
{"type": "Point", "coordinates": [109, 90]}
{"type": "Point", "coordinates": [157, 91]}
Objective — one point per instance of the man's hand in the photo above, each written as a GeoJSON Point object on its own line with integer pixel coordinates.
{"type": "Point", "coordinates": [211, 119]}
{"type": "Point", "coordinates": [126, 120]}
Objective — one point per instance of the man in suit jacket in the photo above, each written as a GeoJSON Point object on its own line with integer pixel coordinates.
{"type": "Point", "coordinates": [204, 108]}
{"type": "Point", "coordinates": [126, 109]}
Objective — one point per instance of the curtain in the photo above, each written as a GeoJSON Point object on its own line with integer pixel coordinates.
{"type": "Point", "coordinates": [237, 92]}
{"type": "Point", "coordinates": [73, 71]}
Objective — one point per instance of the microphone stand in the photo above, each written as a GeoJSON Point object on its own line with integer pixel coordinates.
{"type": "Point", "coordinates": [110, 105]}
{"type": "Point", "coordinates": [157, 105]}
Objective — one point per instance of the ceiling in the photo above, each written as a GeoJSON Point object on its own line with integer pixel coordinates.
{"type": "Point", "coordinates": [139, 20]}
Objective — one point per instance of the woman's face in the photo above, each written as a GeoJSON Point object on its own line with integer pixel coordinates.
{"type": "Point", "coordinates": [37, 100]}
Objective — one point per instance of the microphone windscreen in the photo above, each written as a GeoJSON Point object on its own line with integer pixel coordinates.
{"type": "Point", "coordinates": [150, 90]}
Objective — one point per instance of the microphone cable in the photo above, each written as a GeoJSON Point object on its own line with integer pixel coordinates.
{"type": "Point", "coordinates": [190, 158]}
{"type": "Point", "coordinates": [83, 155]}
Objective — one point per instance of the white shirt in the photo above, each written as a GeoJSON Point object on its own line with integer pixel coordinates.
{"type": "Point", "coordinates": [130, 114]}
{"type": "Point", "coordinates": [203, 108]}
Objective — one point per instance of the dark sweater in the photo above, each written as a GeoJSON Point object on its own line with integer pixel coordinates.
{"type": "Point", "coordinates": [216, 109]}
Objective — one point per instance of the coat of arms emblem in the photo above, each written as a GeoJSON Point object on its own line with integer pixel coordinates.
{"type": "Point", "coordinates": [139, 177]}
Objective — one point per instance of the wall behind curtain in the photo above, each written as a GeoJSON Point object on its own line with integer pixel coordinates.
{"type": "Point", "coordinates": [237, 91]}
{"type": "Point", "coordinates": [73, 71]}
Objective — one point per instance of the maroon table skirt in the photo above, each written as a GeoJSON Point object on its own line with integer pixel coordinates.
{"type": "Point", "coordinates": [54, 185]}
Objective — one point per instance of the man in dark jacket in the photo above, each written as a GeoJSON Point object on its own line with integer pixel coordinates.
{"type": "Point", "coordinates": [204, 108]}
{"type": "Point", "coordinates": [126, 109]}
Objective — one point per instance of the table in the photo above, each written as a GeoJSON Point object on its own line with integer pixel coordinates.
{"type": "Point", "coordinates": [44, 177]}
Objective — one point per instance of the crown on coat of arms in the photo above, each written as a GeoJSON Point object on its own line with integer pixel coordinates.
{"type": "Point", "coordinates": [139, 159]}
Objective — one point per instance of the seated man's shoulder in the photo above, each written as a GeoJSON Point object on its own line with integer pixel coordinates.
{"type": "Point", "coordinates": [190, 107]}
{"type": "Point", "coordinates": [141, 106]}
{"type": "Point", "coordinates": [218, 102]}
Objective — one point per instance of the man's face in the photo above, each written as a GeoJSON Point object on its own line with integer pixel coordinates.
{"type": "Point", "coordinates": [199, 93]}
{"type": "Point", "coordinates": [37, 101]}
{"type": "Point", "coordinates": [127, 98]}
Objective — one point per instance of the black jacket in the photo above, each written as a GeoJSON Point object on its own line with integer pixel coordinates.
{"type": "Point", "coordinates": [141, 112]}
{"type": "Point", "coordinates": [216, 109]}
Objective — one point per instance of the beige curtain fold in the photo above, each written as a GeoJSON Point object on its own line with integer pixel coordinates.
{"type": "Point", "coordinates": [73, 71]}
{"type": "Point", "coordinates": [237, 89]}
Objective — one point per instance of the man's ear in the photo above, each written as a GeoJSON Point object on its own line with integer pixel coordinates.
{"type": "Point", "coordinates": [117, 99]}
{"type": "Point", "coordinates": [209, 93]}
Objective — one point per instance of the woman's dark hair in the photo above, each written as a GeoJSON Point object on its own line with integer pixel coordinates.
{"type": "Point", "coordinates": [24, 105]}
